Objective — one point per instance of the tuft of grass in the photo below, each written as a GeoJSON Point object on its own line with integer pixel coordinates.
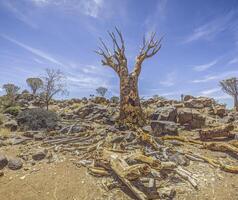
{"type": "Point", "coordinates": [4, 132]}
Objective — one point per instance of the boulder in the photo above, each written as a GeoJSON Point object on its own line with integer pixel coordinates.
{"type": "Point", "coordinates": [164, 127]}
{"type": "Point", "coordinates": [15, 163]}
{"type": "Point", "coordinates": [3, 161]}
{"type": "Point", "coordinates": [39, 155]}
{"type": "Point", "coordinates": [167, 113]}
{"type": "Point", "coordinates": [191, 117]}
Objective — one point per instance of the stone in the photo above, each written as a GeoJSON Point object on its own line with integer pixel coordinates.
{"type": "Point", "coordinates": [12, 125]}
{"type": "Point", "coordinates": [179, 159]}
{"type": "Point", "coordinates": [39, 155]}
{"type": "Point", "coordinates": [191, 117]}
{"type": "Point", "coordinates": [3, 161]}
{"type": "Point", "coordinates": [15, 163]}
{"type": "Point", "coordinates": [164, 127]}
{"type": "Point", "coordinates": [39, 136]}
{"type": "Point", "coordinates": [167, 113]}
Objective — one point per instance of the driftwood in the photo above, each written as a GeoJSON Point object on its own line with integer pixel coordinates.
{"type": "Point", "coordinates": [187, 176]}
{"type": "Point", "coordinates": [223, 147]}
{"type": "Point", "coordinates": [119, 166]}
{"type": "Point", "coordinates": [221, 131]}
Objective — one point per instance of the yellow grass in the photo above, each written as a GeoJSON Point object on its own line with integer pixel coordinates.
{"type": "Point", "coordinates": [4, 132]}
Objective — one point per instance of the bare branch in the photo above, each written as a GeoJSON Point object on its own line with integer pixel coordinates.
{"type": "Point", "coordinates": [149, 48]}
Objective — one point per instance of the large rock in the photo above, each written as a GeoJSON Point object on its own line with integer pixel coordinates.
{"type": "Point", "coordinates": [164, 127]}
{"type": "Point", "coordinates": [191, 117]}
{"type": "Point", "coordinates": [3, 161]}
{"type": "Point", "coordinates": [15, 163]}
{"type": "Point", "coordinates": [167, 113]}
{"type": "Point", "coordinates": [39, 154]}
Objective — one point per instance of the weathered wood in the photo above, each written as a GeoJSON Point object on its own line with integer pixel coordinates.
{"type": "Point", "coordinates": [119, 166]}
{"type": "Point", "coordinates": [221, 131]}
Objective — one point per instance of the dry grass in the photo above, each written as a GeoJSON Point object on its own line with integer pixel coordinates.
{"type": "Point", "coordinates": [4, 132]}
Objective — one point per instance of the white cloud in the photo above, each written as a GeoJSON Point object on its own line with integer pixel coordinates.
{"type": "Point", "coordinates": [233, 61]}
{"type": "Point", "coordinates": [216, 77]}
{"type": "Point", "coordinates": [34, 51]}
{"type": "Point", "coordinates": [200, 68]}
{"type": "Point", "coordinates": [210, 29]}
{"type": "Point", "coordinates": [21, 16]}
{"type": "Point", "coordinates": [90, 8]}
{"type": "Point", "coordinates": [208, 92]}
{"type": "Point", "coordinates": [169, 80]}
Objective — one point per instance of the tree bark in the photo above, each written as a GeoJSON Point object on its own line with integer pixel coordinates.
{"type": "Point", "coordinates": [130, 107]}
{"type": "Point", "coordinates": [236, 103]}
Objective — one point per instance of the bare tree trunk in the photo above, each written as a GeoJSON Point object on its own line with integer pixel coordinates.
{"type": "Point", "coordinates": [130, 107]}
{"type": "Point", "coordinates": [236, 103]}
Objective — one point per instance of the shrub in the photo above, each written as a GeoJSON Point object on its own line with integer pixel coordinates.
{"type": "Point", "coordinates": [37, 119]}
{"type": "Point", "coordinates": [1, 119]}
{"type": "Point", "coordinates": [13, 110]}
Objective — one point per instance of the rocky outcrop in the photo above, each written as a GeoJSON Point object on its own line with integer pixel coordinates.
{"type": "Point", "coordinates": [190, 117]}
{"type": "Point", "coordinates": [164, 128]}
{"type": "Point", "coordinates": [168, 113]}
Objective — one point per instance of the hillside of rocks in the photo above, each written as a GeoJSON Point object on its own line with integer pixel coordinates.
{"type": "Point", "coordinates": [187, 150]}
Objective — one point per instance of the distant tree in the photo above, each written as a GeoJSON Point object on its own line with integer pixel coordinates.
{"type": "Point", "coordinates": [35, 84]}
{"type": "Point", "coordinates": [230, 86]}
{"type": "Point", "coordinates": [53, 83]}
{"type": "Point", "coordinates": [11, 91]}
{"type": "Point", "coordinates": [115, 99]}
{"type": "Point", "coordinates": [130, 106]}
{"type": "Point", "coordinates": [101, 91]}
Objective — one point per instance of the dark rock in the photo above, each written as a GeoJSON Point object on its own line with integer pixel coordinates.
{"type": "Point", "coordinates": [39, 155]}
{"type": "Point", "coordinates": [164, 127]}
{"type": "Point", "coordinates": [191, 117]}
{"type": "Point", "coordinates": [15, 163]}
{"type": "Point", "coordinates": [3, 161]}
{"type": "Point", "coordinates": [167, 113]}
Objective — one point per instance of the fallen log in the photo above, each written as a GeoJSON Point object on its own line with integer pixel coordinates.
{"type": "Point", "coordinates": [221, 131]}
{"type": "Point", "coordinates": [223, 147]}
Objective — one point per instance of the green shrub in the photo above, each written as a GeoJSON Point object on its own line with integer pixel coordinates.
{"type": "Point", "coordinates": [13, 110]}
{"type": "Point", "coordinates": [37, 119]}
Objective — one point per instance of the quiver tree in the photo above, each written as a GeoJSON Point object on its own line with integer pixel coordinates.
{"type": "Point", "coordinates": [230, 86]}
{"type": "Point", "coordinates": [35, 84]}
{"type": "Point", "coordinates": [130, 107]}
{"type": "Point", "coordinates": [11, 91]}
{"type": "Point", "coordinates": [101, 91]}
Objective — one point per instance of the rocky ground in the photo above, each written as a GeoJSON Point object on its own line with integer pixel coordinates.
{"type": "Point", "coordinates": [187, 150]}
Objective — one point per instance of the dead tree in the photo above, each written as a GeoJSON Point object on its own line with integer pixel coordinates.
{"type": "Point", "coordinates": [230, 86]}
{"type": "Point", "coordinates": [130, 107]}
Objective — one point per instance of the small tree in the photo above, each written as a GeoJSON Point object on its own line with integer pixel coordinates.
{"type": "Point", "coordinates": [230, 86]}
{"type": "Point", "coordinates": [35, 84]}
{"type": "Point", "coordinates": [11, 92]}
{"type": "Point", "coordinates": [101, 91]}
{"type": "Point", "coordinates": [53, 83]}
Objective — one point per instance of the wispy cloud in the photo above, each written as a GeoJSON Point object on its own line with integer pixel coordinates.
{"type": "Point", "coordinates": [200, 68]}
{"type": "Point", "coordinates": [209, 92]}
{"type": "Point", "coordinates": [169, 80]}
{"type": "Point", "coordinates": [34, 51]}
{"type": "Point", "coordinates": [21, 16]}
{"type": "Point", "coordinates": [90, 8]}
{"type": "Point", "coordinates": [233, 61]}
{"type": "Point", "coordinates": [215, 77]}
{"type": "Point", "coordinates": [210, 29]}
{"type": "Point", "coordinates": [153, 20]}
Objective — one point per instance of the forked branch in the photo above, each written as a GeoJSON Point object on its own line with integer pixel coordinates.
{"type": "Point", "coordinates": [116, 59]}
{"type": "Point", "coordinates": [149, 48]}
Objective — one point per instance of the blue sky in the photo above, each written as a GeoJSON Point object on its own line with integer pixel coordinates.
{"type": "Point", "coordinates": [200, 47]}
